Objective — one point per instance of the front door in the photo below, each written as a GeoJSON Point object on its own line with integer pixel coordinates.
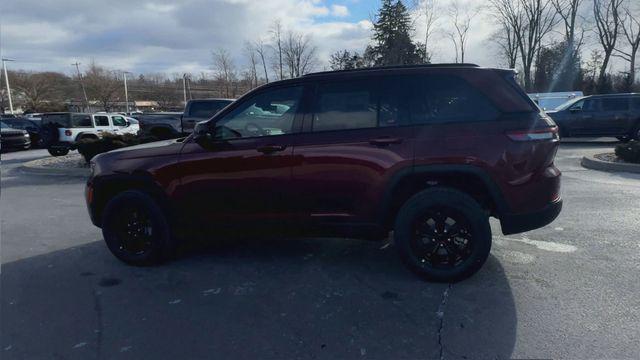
{"type": "Point", "coordinates": [243, 174]}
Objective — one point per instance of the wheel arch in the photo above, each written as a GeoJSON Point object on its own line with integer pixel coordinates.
{"type": "Point", "coordinates": [466, 178]}
{"type": "Point", "coordinates": [105, 188]}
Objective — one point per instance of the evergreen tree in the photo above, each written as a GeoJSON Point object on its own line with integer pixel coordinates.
{"type": "Point", "coordinates": [392, 43]}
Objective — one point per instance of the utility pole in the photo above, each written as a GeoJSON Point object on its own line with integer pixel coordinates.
{"type": "Point", "coordinates": [184, 87]}
{"type": "Point", "coordinates": [84, 92]}
{"type": "Point", "coordinates": [126, 92]}
{"type": "Point", "coordinates": [6, 81]}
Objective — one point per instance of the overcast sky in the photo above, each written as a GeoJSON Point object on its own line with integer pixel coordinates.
{"type": "Point", "coordinates": [145, 36]}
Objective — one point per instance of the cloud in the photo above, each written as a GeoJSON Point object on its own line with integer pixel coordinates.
{"type": "Point", "coordinates": [160, 35]}
{"type": "Point", "coordinates": [339, 10]}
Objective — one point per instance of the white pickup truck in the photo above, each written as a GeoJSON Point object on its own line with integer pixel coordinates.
{"type": "Point", "coordinates": [61, 131]}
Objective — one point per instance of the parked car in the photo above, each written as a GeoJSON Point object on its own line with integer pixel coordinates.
{"type": "Point", "coordinates": [615, 115]}
{"type": "Point", "coordinates": [25, 124]}
{"type": "Point", "coordinates": [173, 125]}
{"type": "Point", "coordinates": [61, 131]}
{"type": "Point", "coordinates": [551, 100]}
{"type": "Point", "coordinates": [430, 152]}
{"type": "Point", "coordinates": [11, 138]}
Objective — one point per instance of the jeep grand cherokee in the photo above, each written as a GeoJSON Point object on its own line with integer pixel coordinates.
{"type": "Point", "coordinates": [429, 152]}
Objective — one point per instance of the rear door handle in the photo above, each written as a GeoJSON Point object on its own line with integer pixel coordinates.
{"type": "Point", "coordinates": [269, 149]}
{"type": "Point", "coordinates": [385, 141]}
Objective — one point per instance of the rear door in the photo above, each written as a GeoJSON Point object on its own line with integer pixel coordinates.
{"type": "Point", "coordinates": [583, 116]}
{"type": "Point", "coordinates": [355, 135]}
{"type": "Point", "coordinates": [614, 117]}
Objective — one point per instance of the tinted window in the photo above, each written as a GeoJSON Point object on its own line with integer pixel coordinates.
{"type": "Point", "coordinates": [81, 121]}
{"type": "Point", "coordinates": [347, 105]}
{"type": "Point", "coordinates": [101, 120]}
{"type": "Point", "coordinates": [62, 120]}
{"type": "Point", "coordinates": [450, 99]}
{"type": "Point", "coordinates": [266, 114]}
{"type": "Point", "coordinates": [20, 124]}
{"type": "Point", "coordinates": [118, 121]}
{"type": "Point", "coordinates": [635, 102]}
{"type": "Point", "coordinates": [615, 104]}
{"type": "Point", "coordinates": [206, 109]}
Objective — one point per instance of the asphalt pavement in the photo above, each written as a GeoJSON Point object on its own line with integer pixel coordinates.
{"type": "Point", "coordinates": [569, 290]}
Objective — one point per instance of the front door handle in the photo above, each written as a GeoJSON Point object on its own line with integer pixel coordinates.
{"type": "Point", "coordinates": [385, 141]}
{"type": "Point", "coordinates": [270, 149]}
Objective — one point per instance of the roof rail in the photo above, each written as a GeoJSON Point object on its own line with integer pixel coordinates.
{"type": "Point", "coordinates": [394, 67]}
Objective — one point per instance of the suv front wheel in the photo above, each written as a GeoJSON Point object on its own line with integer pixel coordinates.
{"type": "Point", "coordinates": [443, 235]}
{"type": "Point", "coordinates": [136, 229]}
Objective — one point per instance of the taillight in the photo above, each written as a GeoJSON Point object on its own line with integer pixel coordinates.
{"type": "Point", "coordinates": [67, 132]}
{"type": "Point", "coordinates": [550, 133]}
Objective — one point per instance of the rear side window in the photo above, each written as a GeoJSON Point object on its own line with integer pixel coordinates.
{"type": "Point", "coordinates": [615, 104]}
{"type": "Point", "coordinates": [81, 121]}
{"type": "Point", "coordinates": [443, 99]}
{"type": "Point", "coordinates": [206, 109]}
{"type": "Point", "coordinates": [345, 105]}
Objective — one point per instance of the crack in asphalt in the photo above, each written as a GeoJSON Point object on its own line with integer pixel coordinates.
{"type": "Point", "coordinates": [98, 308]}
{"type": "Point", "coordinates": [440, 315]}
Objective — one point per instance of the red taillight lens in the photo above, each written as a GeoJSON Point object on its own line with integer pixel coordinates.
{"type": "Point", "coordinates": [89, 194]}
{"type": "Point", "coordinates": [550, 133]}
{"type": "Point", "coordinates": [67, 132]}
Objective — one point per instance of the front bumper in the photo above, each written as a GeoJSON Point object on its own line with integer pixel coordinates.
{"type": "Point", "coordinates": [518, 223]}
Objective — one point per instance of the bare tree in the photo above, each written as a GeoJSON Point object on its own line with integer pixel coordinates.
{"type": "Point", "coordinates": [631, 29]}
{"type": "Point", "coordinates": [225, 69]}
{"type": "Point", "coordinates": [39, 89]}
{"type": "Point", "coordinates": [252, 59]}
{"type": "Point", "coordinates": [505, 38]}
{"type": "Point", "coordinates": [276, 36]}
{"type": "Point", "coordinates": [568, 10]}
{"type": "Point", "coordinates": [607, 18]}
{"type": "Point", "coordinates": [531, 22]}
{"type": "Point", "coordinates": [427, 9]}
{"type": "Point", "coordinates": [461, 22]}
{"type": "Point", "coordinates": [260, 49]}
{"type": "Point", "coordinates": [299, 54]}
{"type": "Point", "coordinates": [102, 85]}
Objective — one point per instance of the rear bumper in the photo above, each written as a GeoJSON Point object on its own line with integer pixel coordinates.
{"type": "Point", "coordinates": [517, 223]}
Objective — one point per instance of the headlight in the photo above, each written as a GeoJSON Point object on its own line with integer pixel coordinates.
{"type": "Point", "coordinates": [26, 134]}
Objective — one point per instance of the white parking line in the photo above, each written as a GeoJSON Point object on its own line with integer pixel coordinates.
{"type": "Point", "coordinates": [542, 245]}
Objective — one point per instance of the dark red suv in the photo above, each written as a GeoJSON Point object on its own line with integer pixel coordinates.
{"type": "Point", "coordinates": [428, 152]}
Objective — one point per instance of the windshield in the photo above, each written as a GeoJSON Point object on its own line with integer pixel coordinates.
{"type": "Point", "coordinates": [568, 104]}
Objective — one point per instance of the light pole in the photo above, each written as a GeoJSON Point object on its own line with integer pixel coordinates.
{"type": "Point", "coordinates": [184, 87]}
{"type": "Point", "coordinates": [84, 92]}
{"type": "Point", "coordinates": [6, 81]}
{"type": "Point", "coordinates": [126, 91]}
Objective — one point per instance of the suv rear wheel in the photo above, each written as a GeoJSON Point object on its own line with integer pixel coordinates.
{"type": "Point", "coordinates": [443, 235]}
{"type": "Point", "coordinates": [136, 229]}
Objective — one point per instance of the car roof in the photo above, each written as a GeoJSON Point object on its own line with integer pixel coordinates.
{"type": "Point", "coordinates": [613, 95]}
{"type": "Point", "coordinates": [392, 68]}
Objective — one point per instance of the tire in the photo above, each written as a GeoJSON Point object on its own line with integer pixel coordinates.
{"type": "Point", "coordinates": [58, 151]}
{"type": "Point", "coordinates": [420, 213]}
{"type": "Point", "coordinates": [149, 223]}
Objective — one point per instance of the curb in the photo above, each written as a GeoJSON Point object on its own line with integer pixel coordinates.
{"type": "Point", "coordinates": [32, 167]}
{"type": "Point", "coordinates": [590, 162]}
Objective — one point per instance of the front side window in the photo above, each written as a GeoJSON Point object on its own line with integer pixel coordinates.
{"type": "Point", "coordinates": [268, 113]}
{"type": "Point", "coordinates": [118, 121]}
{"type": "Point", "coordinates": [346, 105]}
{"type": "Point", "coordinates": [102, 120]}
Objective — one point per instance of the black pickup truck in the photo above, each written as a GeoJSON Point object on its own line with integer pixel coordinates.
{"type": "Point", "coordinates": [167, 125]}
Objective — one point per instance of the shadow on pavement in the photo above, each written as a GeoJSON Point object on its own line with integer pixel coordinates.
{"type": "Point", "coordinates": [275, 298]}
